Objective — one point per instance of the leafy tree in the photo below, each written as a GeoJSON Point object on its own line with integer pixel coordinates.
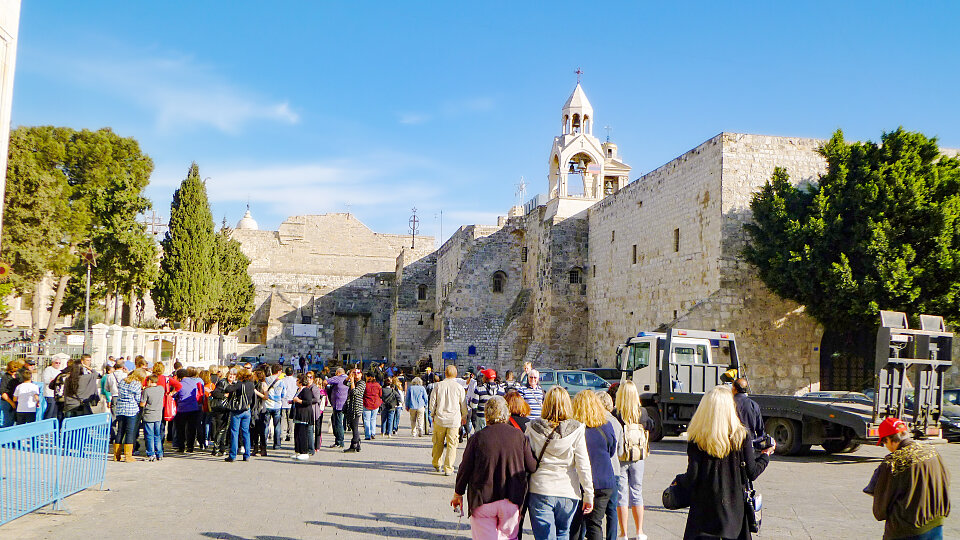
{"type": "Point", "coordinates": [878, 231]}
{"type": "Point", "coordinates": [183, 290]}
{"type": "Point", "coordinates": [232, 285]}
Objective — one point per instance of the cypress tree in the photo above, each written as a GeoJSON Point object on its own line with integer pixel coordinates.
{"type": "Point", "coordinates": [182, 292]}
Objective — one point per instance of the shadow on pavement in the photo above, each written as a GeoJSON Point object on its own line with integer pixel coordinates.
{"type": "Point", "coordinates": [228, 536]}
{"type": "Point", "coordinates": [427, 484]}
{"type": "Point", "coordinates": [423, 527]}
{"type": "Point", "coordinates": [421, 522]}
{"type": "Point", "coordinates": [374, 465]}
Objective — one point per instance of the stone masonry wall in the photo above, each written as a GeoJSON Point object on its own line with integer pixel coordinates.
{"type": "Point", "coordinates": [412, 318]}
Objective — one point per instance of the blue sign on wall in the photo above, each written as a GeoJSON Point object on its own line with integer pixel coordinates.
{"type": "Point", "coordinates": [449, 355]}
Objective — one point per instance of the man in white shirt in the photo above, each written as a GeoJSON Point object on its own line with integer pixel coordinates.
{"type": "Point", "coordinates": [57, 363]}
{"type": "Point", "coordinates": [449, 409]}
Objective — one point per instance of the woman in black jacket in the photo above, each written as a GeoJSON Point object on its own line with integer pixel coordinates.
{"type": "Point", "coordinates": [303, 418]}
{"type": "Point", "coordinates": [719, 446]}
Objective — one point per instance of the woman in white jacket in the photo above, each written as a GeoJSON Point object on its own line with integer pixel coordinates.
{"type": "Point", "coordinates": [563, 471]}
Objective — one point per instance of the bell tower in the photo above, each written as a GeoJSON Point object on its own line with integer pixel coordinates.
{"type": "Point", "coordinates": [580, 165]}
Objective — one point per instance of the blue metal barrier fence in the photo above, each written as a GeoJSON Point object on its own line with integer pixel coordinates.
{"type": "Point", "coordinates": [41, 465]}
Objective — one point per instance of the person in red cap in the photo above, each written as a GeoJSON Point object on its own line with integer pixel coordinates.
{"type": "Point", "coordinates": [486, 389]}
{"type": "Point", "coordinates": [910, 492]}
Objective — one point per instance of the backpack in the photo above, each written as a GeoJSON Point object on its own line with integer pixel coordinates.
{"type": "Point", "coordinates": [635, 443]}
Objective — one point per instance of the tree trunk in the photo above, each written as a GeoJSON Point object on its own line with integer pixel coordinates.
{"type": "Point", "coordinates": [35, 313]}
{"type": "Point", "coordinates": [116, 307]}
{"type": "Point", "coordinates": [57, 302]}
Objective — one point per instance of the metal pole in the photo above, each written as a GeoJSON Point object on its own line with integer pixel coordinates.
{"type": "Point", "coordinates": [86, 315]}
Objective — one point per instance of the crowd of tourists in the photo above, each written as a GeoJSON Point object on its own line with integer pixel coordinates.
{"type": "Point", "coordinates": [572, 466]}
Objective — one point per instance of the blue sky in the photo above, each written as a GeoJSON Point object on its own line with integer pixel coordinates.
{"type": "Point", "coordinates": [376, 107]}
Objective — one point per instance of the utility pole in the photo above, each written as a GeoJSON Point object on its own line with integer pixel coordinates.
{"type": "Point", "coordinates": [90, 259]}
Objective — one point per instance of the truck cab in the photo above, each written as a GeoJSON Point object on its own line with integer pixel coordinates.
{"type": "Point", "coordinates": [636, 354]}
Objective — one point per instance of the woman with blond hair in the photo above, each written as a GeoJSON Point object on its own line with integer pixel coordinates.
{"type": "Point", "coordinates": [636, 424]}
{"type": "Point", "coordinates": [129, 390]}
{"type": "Point", "coordinates": [601, 442]}
{"type": "Point", "coordinates": [718, 445]}
{"type": "Point", "coordinates": [563, 473]}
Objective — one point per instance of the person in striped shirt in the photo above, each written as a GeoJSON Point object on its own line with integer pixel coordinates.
{"type": "Point", "coordinates": [532, 393]}
{"type": "Point", "coordinates": [483, 393]}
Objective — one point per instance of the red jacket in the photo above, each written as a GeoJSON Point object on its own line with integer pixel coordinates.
{"type": "Point", "coordinates": [371, 395]}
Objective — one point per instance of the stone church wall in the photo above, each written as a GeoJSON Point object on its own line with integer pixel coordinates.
{"type": "Point", "coordinates": [412, 318]}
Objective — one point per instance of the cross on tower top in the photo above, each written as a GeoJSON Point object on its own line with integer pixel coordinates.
{"type": "Point", "coordinates": [579, 72]}
{"type": "Point", "coordinates": [608, 132]}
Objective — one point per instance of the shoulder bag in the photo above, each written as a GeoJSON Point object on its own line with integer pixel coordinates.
{"type": "Point", "coordinates": [752, 500]}
{"type": "Point", "coordinates": [676, 496]}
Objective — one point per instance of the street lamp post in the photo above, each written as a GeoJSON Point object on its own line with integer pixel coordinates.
{"type": "Point", "coordinates": [90, 259]}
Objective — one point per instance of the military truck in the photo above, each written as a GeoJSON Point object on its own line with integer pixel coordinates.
{"type": "Point", "coordinates": [672, 370]}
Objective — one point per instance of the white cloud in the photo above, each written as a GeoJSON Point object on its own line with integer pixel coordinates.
{"type": "Point", "coordinates": [413, 118]}
{"type": "Point", "coordinates": [180, 92]}
{"type": "Point", "coordinates": [449, 109]}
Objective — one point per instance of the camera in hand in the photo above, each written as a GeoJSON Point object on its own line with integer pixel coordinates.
{"type": "Point", "coordinates": [763, 442]}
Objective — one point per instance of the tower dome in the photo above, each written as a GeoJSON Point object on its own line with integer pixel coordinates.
{"type": "Point", "coordinates": [247, 223]}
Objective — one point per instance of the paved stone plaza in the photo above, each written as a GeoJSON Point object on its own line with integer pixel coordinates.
{"type": "Point", "coordinates": [389, 490]}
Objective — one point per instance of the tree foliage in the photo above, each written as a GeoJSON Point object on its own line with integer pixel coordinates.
{"type": "Point", "coordinates": [234, 288]}
{"type": "Point", "coordinates": [878, 231]}
{"type": "Point", "coordinates": [183, 290]}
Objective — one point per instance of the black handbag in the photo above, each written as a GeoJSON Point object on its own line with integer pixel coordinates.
{"type": "Point", "coordinates": [752, 500]}
{"type": "Point", "coordinates": [676, 496]}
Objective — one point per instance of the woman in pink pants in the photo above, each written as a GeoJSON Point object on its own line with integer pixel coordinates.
{"type": "Point", "coordinates": [493, 475]}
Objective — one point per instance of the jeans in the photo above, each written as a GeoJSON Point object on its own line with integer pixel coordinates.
{"type": "Point", "coordinates": [153, 436]}
{"type": "Point", "coordinates": [126, 429]}
{"type": "Point", "coordinates": [396, 420]}
{"type": "Point", "coordinates": [275, 415]}
{"type": "Point", "coordinates": [9, 414]}
{"type": "Point", "coordinates": [590, 526]}
{"type": "Point", "coordinates": [386, 419]}
{"type": "Point", "coordinates": [611, 511]}
{"type": "Point", "coordinates": [550, 517]}
{"type": "Point", "coordinates": [51, 410]}
{"type": "Point", "coordinates": [935, 533]}
{"type": "Point", "coordinates": [337, 419]}
{"type": "Point", "coordinates": [369, 423]}
{"type": "Point", "coordinates": [239, 425]}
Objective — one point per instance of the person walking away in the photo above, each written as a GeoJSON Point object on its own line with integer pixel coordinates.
{"type": "Point", "coordinates": [27, 397]}
{"type": "Point", "coordinates": [80, 392]}
{"type": "Point", "coordinates": [430, 384]}
{"type": "Point", "coordinates": [302, 414]}
{"type": "Point", "coordinates": [391, 402]}
{"type": "Point", "coordinates": [601, 442]}
{"type": "Point", "coordinates": [337, 390]}
{"type": "Point", "coordinates": [519, 410]}
{"type": "Point", "coordinates": [911, 491]}
{"type": "Point", "coordinates": [483, 392]}
{"type": "Point", "coordinates": [242, 391]}
{"type": "Point", "coordinates": [747, 410]}
{"type": "Point", "coordinates": [719, 446]}
{"type": "Point", "coordinates": [289, 390]}
{"type": "Point", "coordinates": [612, 518]}
{"type": "Point", "coordinates": [532, 393]}
{"type": "Point", "coordinates": [152, 404]}
{"type": "Point", "coordinates": [493, 475]}
{"type": "Point", "coordinates": [416, 405]}
{"type": "Point", "coordinates": [510, 382]}
{"type": "Point", "coordinates": [129, 392]}
{"type": "Point", "coordinates": [354, 407]}
{"type": "Point", "coordinates": [398, 385]}
{"type": "Point", "coordinates": [258, 420]}
{"type": "Point", "coordinates": [371, 404]}
{"type": "Point", "coordinates": [220, 413]}
{"type": "Point", "coordinates": [8, 385]}
{"type": "Point", "coordinates": [57, 362]}
{"type": "Point", "coordinates": [272, 405]}
{"type": "Point", "coordinates": [563, 472]}
{"type": "Point", "coordinates": [170, 386]}
{"type": "Point", "coordinates": [636, 424]}
{"type": "Point", "coordinates": [319, 403]}
{"type": "Point", "coordinates": [448, 409]}
{"type": "Point", "coordinates": [188, 410]}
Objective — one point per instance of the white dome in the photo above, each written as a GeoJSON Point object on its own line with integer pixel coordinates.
{"type": "Point", "coordinates": [247, 223]}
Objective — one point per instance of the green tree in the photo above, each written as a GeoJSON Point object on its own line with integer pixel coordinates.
{"type": "Point", "coordinates": [232, 287]}
{"type": "Point", "coordinates": [878, 231]}
{"type": "Point", "coordinates": [183, 289]}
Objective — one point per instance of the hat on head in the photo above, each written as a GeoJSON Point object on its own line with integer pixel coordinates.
{"type": "Point", "coordinates": [490, 374]}
{"type": "Point", "coordinates": [729, 375]}
{"type": "Point", "coordinates": [890, 426]}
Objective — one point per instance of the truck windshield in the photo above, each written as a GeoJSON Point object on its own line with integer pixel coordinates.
{"type": "Point", "coordinates": [690, 354]}
{"type": "Point", "coordinates": [639, 356]}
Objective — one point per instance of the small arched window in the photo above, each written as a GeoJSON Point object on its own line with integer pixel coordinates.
{"type": "Point", "coordinates": [576, 276]}
{"type": "Point", "coordinates": [499, 282]}
{"type": "Point", "coordinates": [422, 292]}
{"type": "Point", "coordinates": [576, 123]}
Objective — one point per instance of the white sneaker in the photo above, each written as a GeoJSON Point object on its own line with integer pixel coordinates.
{"type": "Point", "coordinates": [303, 457]}
{"type": "Point", "coordinates": [641, 537]}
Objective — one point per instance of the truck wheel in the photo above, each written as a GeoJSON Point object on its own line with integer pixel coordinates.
{"type": "Point", "coordinates": [657, 433]}
{"type": "Point", "coordinates": [842, 446]}
{"type": "Point", "coordinates": [787, 433]}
